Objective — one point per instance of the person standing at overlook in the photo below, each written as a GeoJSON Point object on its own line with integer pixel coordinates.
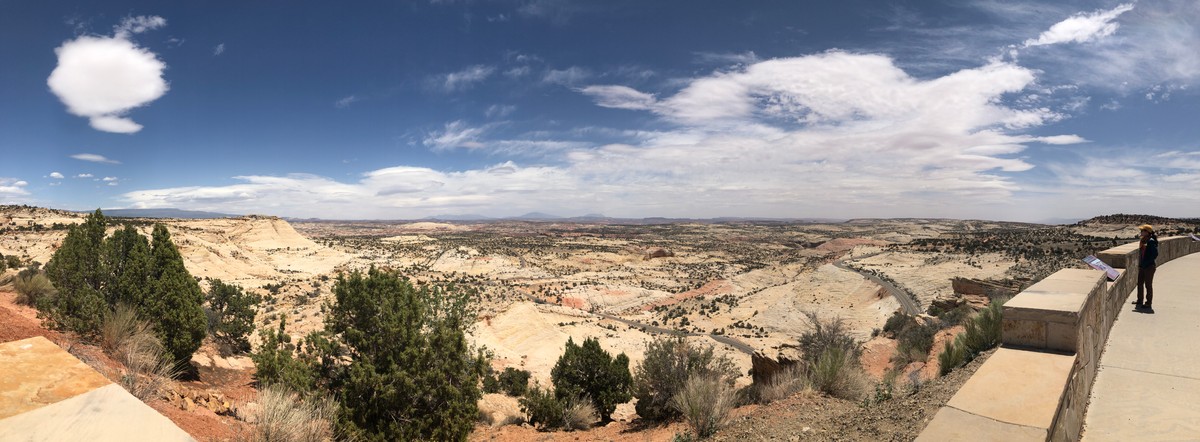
{"type": "Point", "coordinates": [1147, 254]}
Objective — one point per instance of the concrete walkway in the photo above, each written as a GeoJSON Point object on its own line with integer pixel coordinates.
{"type": "Point", "coordinates": [46, 394]}
{"type": "Point", "coordinates": [1148, 386]}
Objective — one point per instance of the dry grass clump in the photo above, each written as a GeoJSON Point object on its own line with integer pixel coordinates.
{"type": "Point", "coordinates": [133, 342]}
{"type": "Point", "coordinates": [283, 417]}
{"type": "Point", "coordinates": [784, 384]}
{"type": "Point", "coordinates": [119, 327]}
{"type": "Point", "coordinates": [579, 414]}
{"type": "Point", "coordinates": [705, 402]}
{"type": "Point", "coordinates": [837, 373]}
{"type": "Point", "coordinates": [33, 287]}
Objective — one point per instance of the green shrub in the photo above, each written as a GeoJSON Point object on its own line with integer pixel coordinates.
{"type": "Point", "coordinates": [491, 385]}
{"type": "Point", "coordinates": [982, 332]}
{"type": "Point", "coordinates": [957, 315]}
{"type": "Point", "coordinates": [411, 375]}
{"type": "Point", "coordinates": [669, 363]}
{"type": "Point", "coordinates": [897, 322]}
{"type": "Point", "coordinates": [542, 408]}
{"type": "Point", "coordinates": [915, 341]}
{"type": "Point", "coordinates": [589, 371]}
{"type": "Point", "coordinates": [277, 364]}
{"type": "Point", "coordinates": [12, 261]}
{"type": "Point", "coordinates": [953, 356]}
{"type": "Point", "coordinates": [177, 304]}
{"type": "Point", "coordinates": [76, 271]}
{"type": "Point", "coordinates": [126, 259]}
{"type": "Point", "coordinates": [232, 315]}
{"type": "Point", "coordinates": [513, 382]}
{"type": "Point", "coordinates": [705, 402]}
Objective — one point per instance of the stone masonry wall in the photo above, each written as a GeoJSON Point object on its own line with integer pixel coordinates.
{"type": "Point", "coordinates": [1096, 320]}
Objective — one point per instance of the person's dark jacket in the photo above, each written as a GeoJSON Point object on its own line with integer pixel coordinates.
{"type": "Point", "coordinates": [1150, 253]}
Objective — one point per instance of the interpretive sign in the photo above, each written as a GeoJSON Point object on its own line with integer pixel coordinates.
{"type": "Point", "coordinates": [1097, 264]}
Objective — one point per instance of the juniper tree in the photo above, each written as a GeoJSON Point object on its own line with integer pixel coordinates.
{"type": "Point", "coordinates": [232, 314]}
{"type": "Point", "coordinates": [128, 266]}
{"type": "Point", "coordinates": [412, 374]}
{"type": "Point", "coordinates": [176, 298]}
{"type": "Point", "coordinates": [589, 371]}
{"type": "Point", "coordinates": [78, 274]}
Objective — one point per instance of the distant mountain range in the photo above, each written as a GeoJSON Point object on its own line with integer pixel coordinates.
{"type": "Point", "coordinates": [163, 213]}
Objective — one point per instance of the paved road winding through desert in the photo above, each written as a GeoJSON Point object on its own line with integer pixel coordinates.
{"type": "Point", "coordinates": [906, 302]}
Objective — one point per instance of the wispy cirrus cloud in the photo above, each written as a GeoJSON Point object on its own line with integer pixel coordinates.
{"type": "Point", "coordinates": [346, 101]}
{"type": "Point", "coordinates": [757, 140]}
{"type": "Point", "coordinates": [465, 79]}
{"type": "Point", "coordinates": [566, 77]}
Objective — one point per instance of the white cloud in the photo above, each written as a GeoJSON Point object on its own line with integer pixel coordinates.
{"type": "Point", "coordinates": [1061, 139]}
{"type": "Point", "coordinates": [455, 134]}
{"type": "Point", "coordinates": [12, 187]}
{"type": "Point", "coordinates": [103, 78]}
{"type": "Point", "coordinates": [109, 178]}
{"type": "Point", "coordinates": [518, 72]}
{"type": "Point", "coordinates": [137, 25]}
{"type": "Point", "coordinates": [466, 78]}
{"type": "Point", "coordinates": [94, 158]}
{"type": "Point", "coordinates": [119, 125]}
{"type": "Point", "coordinates": [499, 110]}
{"type": "Point", "coordinates": [84, 175]}
{"type": "Point", "coordinates": [760, 140]}
{"type": "Point", "coordinates": [566, 77]}
{"type": "Point", "coordinates": [56, 175]}
{"type": "Point", "coordinates": [620, 97]}
{"type": "Point", "coordinates": [747, 57]}
{"type": "Point", "coordinates": [1155, 45]}
{"type": "Point", "coordinates": [345, 102]}
{"type": "Point", "coordinates": [394, 192]}
{"type": "Point", "coordinates": [1082, 27]}
{"type": "Point", "coordinates": [219, 49]}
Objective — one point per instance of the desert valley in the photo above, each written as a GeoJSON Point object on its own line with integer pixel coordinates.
{"type": "Point", "coordinates": [745, 288]}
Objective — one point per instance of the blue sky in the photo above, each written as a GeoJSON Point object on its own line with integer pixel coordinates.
{"type": "Point", "coordinates": [399, 110]}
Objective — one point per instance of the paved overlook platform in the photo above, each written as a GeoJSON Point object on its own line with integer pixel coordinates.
{"type": "Point", "coordinates": [1078, 363]}
{"type": "Point", "coordinates": [1148, 385]}
{"type": "Point", "coordinates": [46, 394]}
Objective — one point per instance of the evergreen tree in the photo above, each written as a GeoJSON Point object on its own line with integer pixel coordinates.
{"type": "Point", "coordinates": [589, 371]}
{"type": "Point", "coordinates": [127, 263]}
{"type": "Point", "coordinates": [276, 363]}
{"type": "Point", "coordinates": [78, 274]}
{"type": "Point", "coordinates": [412, 375]}
{"type": "Point", "coordinates": [176, 298]}
{"type": "Point", "coordinates": [232, 314]}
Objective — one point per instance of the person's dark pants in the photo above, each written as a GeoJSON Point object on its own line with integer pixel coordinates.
{"type": "Point", "coordinates": [1146, 280]}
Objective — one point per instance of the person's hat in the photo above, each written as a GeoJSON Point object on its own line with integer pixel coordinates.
{"type": "Point", "coordinates": [1146, 228]}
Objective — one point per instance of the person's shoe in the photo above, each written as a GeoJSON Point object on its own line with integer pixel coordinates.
{"type": "Point", "coordinates": [1136, 303]}
{"type": "Point", "coordinates": [1147, 307]}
